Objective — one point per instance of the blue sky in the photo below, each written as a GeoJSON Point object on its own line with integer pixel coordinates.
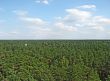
{"type": "Point", "coordinates": [54, 19]}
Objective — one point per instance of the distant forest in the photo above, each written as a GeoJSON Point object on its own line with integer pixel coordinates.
{"type": "Point", "coordinates": [55, 60]}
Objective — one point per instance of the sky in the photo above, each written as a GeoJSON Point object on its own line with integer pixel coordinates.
{"type": "Point", "coordinates": [54, 19]}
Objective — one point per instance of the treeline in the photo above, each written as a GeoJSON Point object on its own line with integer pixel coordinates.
{"type": "Point", "coordinates": [55, 60]}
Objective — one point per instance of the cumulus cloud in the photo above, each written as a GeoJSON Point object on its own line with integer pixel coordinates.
{"type": "Point", "coordinates": [77, 14]}
{"type": "Point", "coordinates": [20, 12]}
{"type": "Point", "coordinates": [13, 33]}
{"type": "Point", "coordinates": [83, 18]}
{"type": "Point", "coordinates": [76, 23]}
{"type": "Point", "coordinates": [10, 33]}
{"type": "Point", "coordinates": [42, 1]}
{"type": "Point", "coordinates": [23, 15]}
{"type": "Point", "coordinates": [102, 20]}
{"type": "Point", "coordinates": [37, 27]}
{"type": "Point", "coordinates": [63, 27]}
{"type": "Point", "coordinates": [87, 6]}
{"type": "Point", "coordinates": [33, 21]}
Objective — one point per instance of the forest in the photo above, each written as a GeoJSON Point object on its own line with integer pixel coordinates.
{"type": "Point", "coordinates": [54, 60]}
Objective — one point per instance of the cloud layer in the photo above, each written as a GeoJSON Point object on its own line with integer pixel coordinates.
{"type": "Point", "coordinates": [46, 2]}
{"type": "Point", "coordinates": [78, 23]}
{"type": "Point", "coordinates": [87, 6]}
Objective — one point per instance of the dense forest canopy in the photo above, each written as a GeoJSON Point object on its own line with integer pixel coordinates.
{"type": "Point", "coordinates": [55, 60]}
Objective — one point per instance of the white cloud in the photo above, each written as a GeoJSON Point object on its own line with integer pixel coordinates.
{"type": "Point", "coordinates": [64, 27]}
{"type": "Point", "coordinates": [20, 12]}
{"type": "Point", "coordinates": [37, 27]}
{"type": "Point", "coordinates": [86, 19]}
{"type": "Point", "coordinates": [77, 23]}
{"type": "Point", "coordinates": [102, 20]}
{"type": "Point", "coordinates": [78, 14]}
{"type": "Point", "coordinates": [87, 6]}
{"type": "Point", "coordinates": [13, 33]}
{"type": "Point", "coordinates": [33, 21]}
{"type": "Point", "coordinates": [42, 31]}
{"type": "Point", "coordinates": [3, 33]}
{"type": "Point", "coordinates": [23, 15]}
{"type": "Point", "coordinates": [42, 1]}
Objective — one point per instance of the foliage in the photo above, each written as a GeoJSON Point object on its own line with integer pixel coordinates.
{"type": "Point", "coordinates": [55, 60]}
